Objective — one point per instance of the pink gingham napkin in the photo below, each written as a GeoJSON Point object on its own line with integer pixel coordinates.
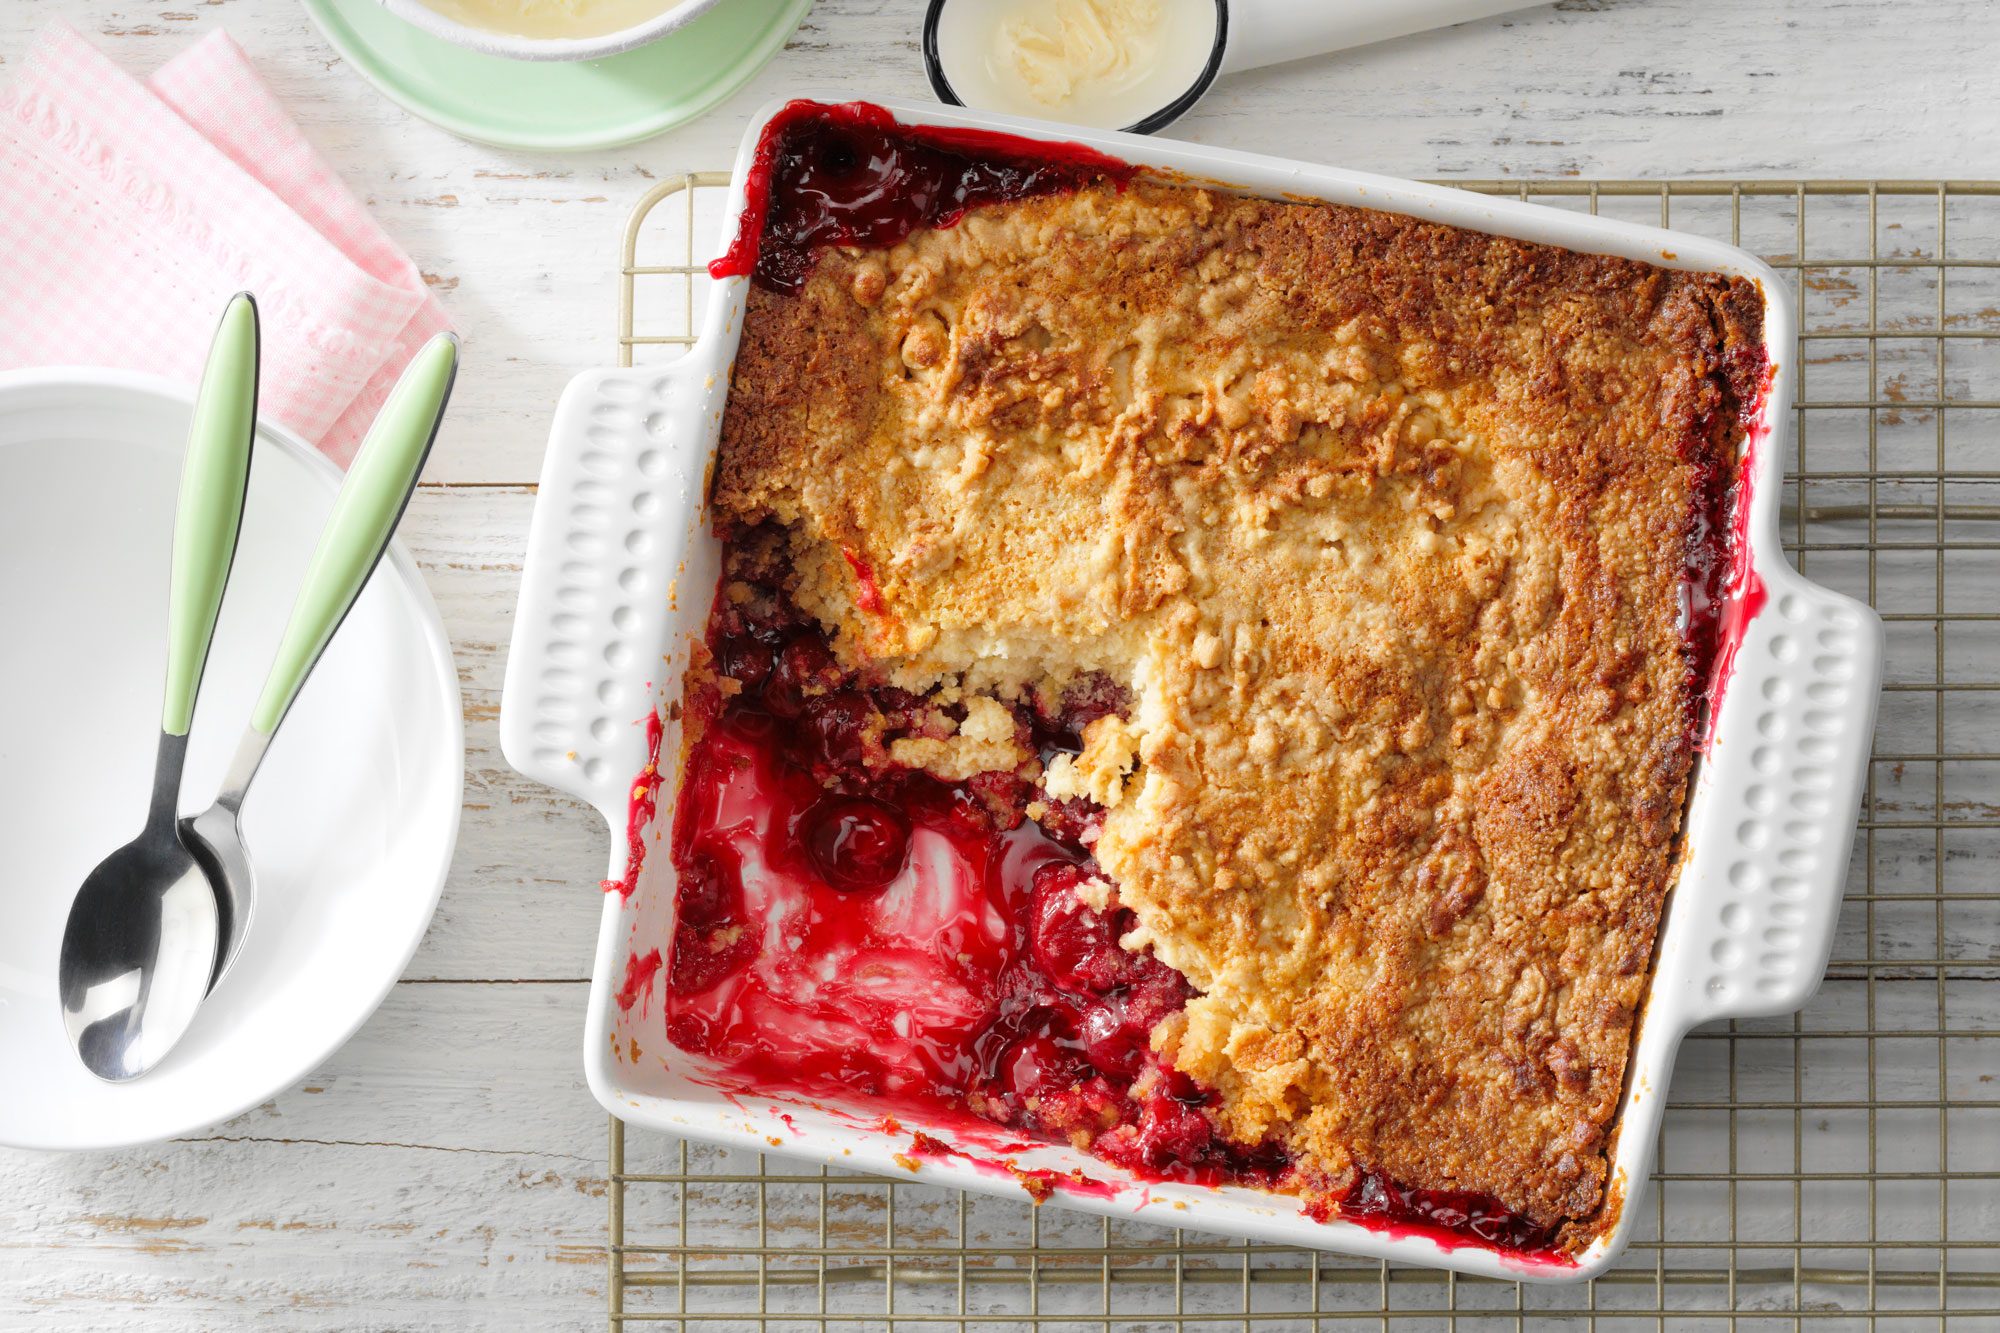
{"type": "Point", "coordinates": [130, 212]}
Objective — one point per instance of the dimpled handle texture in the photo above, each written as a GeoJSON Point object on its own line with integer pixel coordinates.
{"type": "Point", "coordinates": [214, 477]}
{"type": "Point", "coordinates": [364, 517]}
{"type": "Point", "coordinates": [1768, 854]}
{"type": "Point", "coordinates": [618, 578]}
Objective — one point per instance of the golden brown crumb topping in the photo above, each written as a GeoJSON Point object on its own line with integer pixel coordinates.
{"type": "Point", "coordinates": [1383, 524]}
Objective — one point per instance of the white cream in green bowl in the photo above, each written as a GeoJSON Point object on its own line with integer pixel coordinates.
{"type": "Point", "coordinates": [549, 29]}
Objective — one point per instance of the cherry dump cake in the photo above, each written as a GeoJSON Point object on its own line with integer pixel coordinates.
{"type": "Point", "coordinates": [1208, 679]}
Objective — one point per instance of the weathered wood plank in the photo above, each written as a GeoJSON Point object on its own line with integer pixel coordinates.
{"type": "Point", "coordinates": [444, 1170]}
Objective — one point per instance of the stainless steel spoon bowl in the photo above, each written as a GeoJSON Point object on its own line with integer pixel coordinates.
{"type": "Point", "coordinates": [140, 942]}
{"type": "Point", "coordinates": [140, 945]}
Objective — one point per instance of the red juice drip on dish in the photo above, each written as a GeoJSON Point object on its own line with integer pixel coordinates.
{"type": "Point", "coordinates": [849, 174]}
{"type": "Point", "coordinates": [639, 811]}
{"type": "Point", "coordinates": [1742, 595]}
{"type": "Point", "coordinates": [1039, 1182]}
{"type": "Point", "coordinates": [1724, 590]}
{"type": "Point", "coordinates": [640, 970]}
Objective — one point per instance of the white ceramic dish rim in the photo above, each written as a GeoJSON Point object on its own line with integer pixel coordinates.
{"type": "Point", "coordinates": [1748, 929]}
{"type": "Point", "coordinates": [298, 1063]}
{"type": "Point", "coordinates": [508, 46]}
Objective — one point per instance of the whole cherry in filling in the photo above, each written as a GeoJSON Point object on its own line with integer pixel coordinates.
{"type": "Point", "coordinates": [856, 843]}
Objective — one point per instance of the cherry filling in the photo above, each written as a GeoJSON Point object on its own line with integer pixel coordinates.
{"type": "Point", "coordinates": [849, 927]}
{"type": "Point", "coordinates": [1377, 1198]}
{"type": "Point", "coordinates": [850, 175]}
{"type": "Point", "coordinates": [1722, 591]}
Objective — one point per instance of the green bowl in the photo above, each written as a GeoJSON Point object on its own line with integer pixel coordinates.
{"type": "Point", "coordinates": [560, 105]}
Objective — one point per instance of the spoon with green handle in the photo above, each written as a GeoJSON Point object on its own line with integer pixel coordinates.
{"type": "Point", "coordinates": [141, 941]}
{"type": "Point", "coordinates": [357, 532]}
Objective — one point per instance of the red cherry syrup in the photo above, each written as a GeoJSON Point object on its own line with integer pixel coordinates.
{"type": "Point", "coordinates": [849, 174]}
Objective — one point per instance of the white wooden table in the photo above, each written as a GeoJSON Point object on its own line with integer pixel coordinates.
{"type": "Point", "coordinates": [445, 1170]}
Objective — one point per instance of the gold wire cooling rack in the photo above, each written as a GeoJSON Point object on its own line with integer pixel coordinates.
{"type": "Point", "coordinates": [1837, 1168]}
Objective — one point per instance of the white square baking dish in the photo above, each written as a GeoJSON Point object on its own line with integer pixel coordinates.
{"type": "Point", "coordinates": [622, 566]}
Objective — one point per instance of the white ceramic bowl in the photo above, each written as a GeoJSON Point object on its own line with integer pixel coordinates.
{"type": "Point", "coordinates": [622, 567]}
{"type": "Point", "coordinates": [511, 47]}
{"type": "Point", "coordinates": [351, 822]}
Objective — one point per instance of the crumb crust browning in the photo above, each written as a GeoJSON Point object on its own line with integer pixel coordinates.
{"type": "Point", "coordinates": [1384, 526]}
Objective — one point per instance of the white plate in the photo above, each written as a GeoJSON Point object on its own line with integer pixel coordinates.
{"type": "Point", "coordinates": [622, 565]}
{"type": "Point", "coordinates": [351, 823]}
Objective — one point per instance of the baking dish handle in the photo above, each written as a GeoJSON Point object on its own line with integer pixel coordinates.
{"type": "Point", "coordinates": [1768, 853]}
{"type": "Point", "coordinates": [624, 472]}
